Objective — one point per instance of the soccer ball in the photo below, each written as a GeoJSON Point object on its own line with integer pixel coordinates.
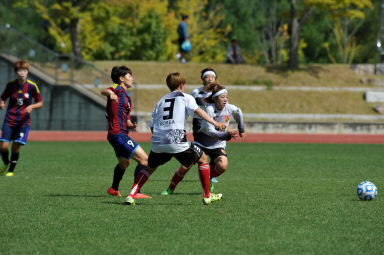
{"type": "Point", "coordinates": [366, 190]}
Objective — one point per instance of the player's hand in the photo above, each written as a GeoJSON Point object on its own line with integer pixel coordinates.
{"type": "Point", "coordinates": [113, 97]}
{"type": "Point", "coordinates": [132, 125]}
{"type": "Point", "coordinates": [242, 135]}
{"type": "Point", "coordinates": [2, 105]}
{"type": "Point", "coordinates": [220, 126]}
{"type": "Point", "coordinates": [28, 109]}
{"type": "Point", "coordinates": [233, 134]}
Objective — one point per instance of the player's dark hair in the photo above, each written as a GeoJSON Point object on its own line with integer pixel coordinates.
{"type": "Point", "coordinates": [174, 80]}
{"type": "Point", "coordinates": [207, 69]}
{"type": "Point", "coordinates": [183, 17]}
{"type": "Point", "coordinates": [118, 71]}
{"type": "Point", "coordinates": [214, 87]}
{"type": "Point", "coordinates": [21, 64]}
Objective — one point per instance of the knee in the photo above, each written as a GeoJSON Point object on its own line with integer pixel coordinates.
{"type": "Point", "coordinates": [124, 164]}
{"type": "Point", "coordinates": [222, 164]}
{"type": "Point", "coordinates": [203, 159]}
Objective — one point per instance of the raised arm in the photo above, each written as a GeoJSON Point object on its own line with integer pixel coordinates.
{"type": "Point", "coordinates": [202, 114]}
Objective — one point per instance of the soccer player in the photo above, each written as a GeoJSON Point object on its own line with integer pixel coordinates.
{"type": "Point", "coordinates": [212, 141]}
{"type": "Point", "coordinates": [208, 76]}
{"type": "Point", "coordinates": [169, 137]}
{"type": "Point", "coordinates": [21, 93]}
{"type": "Point", "coordinates": [119, 107]}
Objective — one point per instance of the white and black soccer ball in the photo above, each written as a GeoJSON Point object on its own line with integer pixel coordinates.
{"type": "Point", "coordinates": [366, 190]}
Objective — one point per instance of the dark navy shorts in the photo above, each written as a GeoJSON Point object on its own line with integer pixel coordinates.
{"type": "Point", "coordinates": [123, 145]}
{"type": "Point", "coordinates": [16, 134]}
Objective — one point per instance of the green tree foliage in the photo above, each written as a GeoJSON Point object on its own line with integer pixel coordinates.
{"type": "Point", "coordinates": [20, 15]}
{"type": "Point", "coordinates": [149, 39]}
{"type": "Point", "coordinates": [346, 18]}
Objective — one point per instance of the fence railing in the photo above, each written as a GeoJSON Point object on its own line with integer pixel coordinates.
{"type": "Point", "coordinates": [66, 69]}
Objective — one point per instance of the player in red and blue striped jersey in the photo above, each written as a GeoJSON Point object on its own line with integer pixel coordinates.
{"type": "Point", "coordinates": [21, 94]}
{"type": "Point", "coordinates": [118, 109]}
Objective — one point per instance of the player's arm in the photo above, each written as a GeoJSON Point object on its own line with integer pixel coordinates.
{"type": "Point", "coordinates": [132, 125]}
{"type": "Point", "coordinates": [4, 97]}
{"type": "Point", "coordinates": [202, 114]}
{"type": "Point", "coordinates": [37, 105]}
{"type": "Point", "coordinates": [238, 116]}
{"type": "Point", "coordinates": [2, 104]}
{"type": "Point", "coordinates": [109, 93]}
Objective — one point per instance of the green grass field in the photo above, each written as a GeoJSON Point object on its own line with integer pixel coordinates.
{"type": "Point", "coordinates": [277, 199]}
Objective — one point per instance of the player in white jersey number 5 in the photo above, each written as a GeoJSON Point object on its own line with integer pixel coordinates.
{"type": "Point", "coordinates": [169, 137]}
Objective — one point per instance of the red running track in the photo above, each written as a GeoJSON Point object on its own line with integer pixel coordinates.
{"type": "Point", "coordinates": [251, 138]}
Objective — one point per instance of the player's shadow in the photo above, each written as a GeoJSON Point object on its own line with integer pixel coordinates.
{"type": "Point", "coordinates": [142, 204]}
{"type": "Point", "coordinates": [73, 195]}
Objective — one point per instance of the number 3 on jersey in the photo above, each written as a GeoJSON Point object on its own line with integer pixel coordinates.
{"type": "Point", "coordinates": [169, 109]}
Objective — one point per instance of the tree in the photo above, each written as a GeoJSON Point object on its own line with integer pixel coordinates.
{"type": "Point", "coordinates": [271, 30]}
{"type": "Point", "coordinates": [64, 17]}
{"type": "Point", "coordinates": [296, 23]}
{"type": "Point", "coordinates": [347, 17]}
{"type": "Point", "coordinates": [204, 28]}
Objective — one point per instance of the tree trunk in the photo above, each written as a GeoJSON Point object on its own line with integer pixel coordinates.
{"type": "Point", "coordinates": [295, 38]}
{"type": "Point", "coordinates": [75, 38]}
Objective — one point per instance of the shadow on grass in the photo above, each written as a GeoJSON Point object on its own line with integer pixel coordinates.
{"type": "Point", "coordinates": [312, 70]}
{"type": "Point", "coordinates": [73, 195]}
{"type": "Point", "coordinates": [138, 203]}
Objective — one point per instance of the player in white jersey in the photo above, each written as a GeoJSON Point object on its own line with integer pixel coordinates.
{"type": "Point", "coordinates": [169, 137]}
{"type": "Point", "coordinates": [208, 76]}
{"type": "Point", "coordinates": [211, 140]}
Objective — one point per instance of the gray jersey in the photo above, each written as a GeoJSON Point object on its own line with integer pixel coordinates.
{"type": "Point", "coordinates": [168, 122]}
{"type": "Point", "coordinates": [199, 96]}
{"type": "Point", "coordinates": [211, 138]}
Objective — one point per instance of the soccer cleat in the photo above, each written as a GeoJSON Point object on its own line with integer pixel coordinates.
{"type": "Point", "coordinates": [9, 174]}
{"type": "Point", "coordinates": [211, 186]}
{"type": "Point", "coordinates": [212, 198]}
{"type": "Point", "coordinates": [130, 201]}
{"type": "Point", "coordinates": [4, 168]}
{"type": "Point", "coordinates": [167, 192]}
{"type": "Point", "coordinates": [113, 192]}
{"type": "Point", "coordinates": [141, 195]}
{"type": "Point", "coordinates": [214, 179]}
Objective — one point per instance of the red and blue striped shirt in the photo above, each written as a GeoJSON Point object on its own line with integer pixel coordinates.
{"type": "Point", "coordinates": [20, 97]}
{"type": "Point", "coordinates": [118, 113]}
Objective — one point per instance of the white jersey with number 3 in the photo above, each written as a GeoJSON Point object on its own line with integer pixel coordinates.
{"type": "Point", "coordinates": [168, 122]}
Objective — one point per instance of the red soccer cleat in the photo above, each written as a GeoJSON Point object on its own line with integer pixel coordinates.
{"type": "Point", "coordinates": [141, 195]}
{"type": "Point", "coordinates": [113, 192]}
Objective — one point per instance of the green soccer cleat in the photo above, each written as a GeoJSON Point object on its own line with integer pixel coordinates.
{"type": "Point", "coordinates": [9, 174]}
{"type": "Point", "coordinates": [4, 168]}
{"type": "Point", "coordinates": [211, 186]}
{"type": "Point", "coordinates": [212, 198]}
{"type": "Point", "coordinates": [130, 201]}
{"type": "Point", "coordinates": [167, 192]}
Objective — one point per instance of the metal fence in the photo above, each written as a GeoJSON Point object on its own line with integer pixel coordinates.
{"type": "Point", "coordinates": [66, 69]}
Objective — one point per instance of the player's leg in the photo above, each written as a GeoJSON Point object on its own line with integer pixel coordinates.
{"type": "Point", "coordinates": [5, 139]}
{"type": "Point", "coordinates": [218, 164]}
{"type": "Point", "coordinates": [124, 148]}
{"type": "Point", "coordinates": [154, 160]}
{"type": "Point", "coordinates": [19, 136]}
{"type": "Point", "coordinates": [142, 163]}
{"type": "Point", "coordinates": [196, 155]}
{"type": "Point", "coordinates": [176, 179]}
{"type": "Point", "coordinates": [14, 157]}
{"type": "Point", "coordinates": [4, 157]}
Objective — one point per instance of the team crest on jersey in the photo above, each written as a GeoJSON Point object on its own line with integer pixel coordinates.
{"type": "Point", "coordinates": [20, 91]}
{"type": "Point", "coordinates": [226, 118]}
{"type": "Point", "coordinates": [26, 95]}
{"type": "Point", "coordinates": [176, 136]}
